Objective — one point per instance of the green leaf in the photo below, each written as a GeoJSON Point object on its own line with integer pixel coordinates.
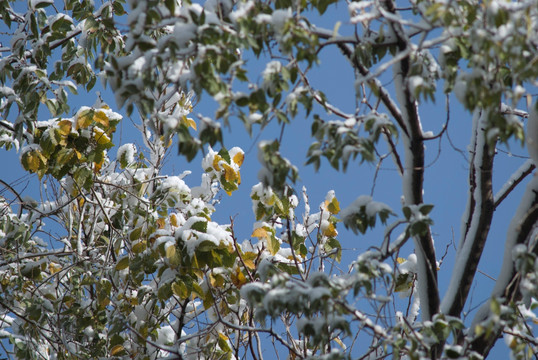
{"type": "Point", "coordinates": [333, 247]}
{"type": "Point", "coordinates": [180, 289]}
{"type": "Point", "coordinates": [123, 263]}
{"type": "Point", "coordinates": [407, 212]}
{"type": "Point", "coordinates": [200, 226]}
{"type": "Point", "coordinates": [425, 209]}
{"type": "Point", "coordinates": [135, 234]}
{"type": "Point", "coordinates": [273, 244]}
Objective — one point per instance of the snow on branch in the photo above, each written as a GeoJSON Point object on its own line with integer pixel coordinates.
{"type": "Point", "coordinates": [477, 218]}
{"type": "Point", "coordinates": [413, 177]}
{"type": "Point", "coordinates": [507, 288]}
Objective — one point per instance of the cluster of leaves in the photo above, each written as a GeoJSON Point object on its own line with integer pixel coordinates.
{"type": "Point", "coordinates": [77, 37]}
{"type": "Point", "coordinates": [497, 43]}
{"type": "Point", "coordinates": [139, 268]}
{"type": "Point", "coordinates": [75, 145]}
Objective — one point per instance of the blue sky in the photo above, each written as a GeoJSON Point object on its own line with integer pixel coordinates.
{"type": "Point", "coordinates": [445, 178]}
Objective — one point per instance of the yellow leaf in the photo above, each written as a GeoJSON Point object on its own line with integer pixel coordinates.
{"type": "Point", "coordinates": [161, 223]}
{"type": "Point", "coordinates": [173, 220]}
{"type": "Point", "coordinates": [33, 161]}
{"type": "Point", "coordinates": [260, 233]}
{"type": "Point", "coordinates": [101, 118]}
{"type": "Point", "coordinates": [339, 342]}
{"type": "Point", "coordinates": [238, 279]}
{"type": "Point", "coordinates": [98, 165]}
{"type": "Point", "coordinates": [333, 206]}
{"type": "Point", "coordinates": [400, 260]}
{"type": "Point", "coordinates": [330, 231]}
{"type": "Point", "coordinates": [216, 280]}
{"type": "Point", "coordinates": [65, 127]}
{"type": "Point", "coordinates": [223, 337]}
{"type": "Point", "coordinates": [54, 268]}
{"type": "Point", "coordinates": [271, 200]}
{"type": "Point", "coordinates": [250, 264]}
{"type": "Point", "coordinates": [513, 343]}
{"type": "Point", "coordinates": [273, 245]}
{"type": "Point", "coordinates": [216, 161]}
{"type": "Point", "coordinates": [116, 349]}
{"type": "Point", "coordinates": [248, 259]}
{"type": "Point", "coordinates": [238, 158]}
{"type": "Point", "coordinates": [100, 136]}
{"type": "Point", "coordinates": [191, 123]}
{"type": "Point", "coordinates": [84, 119]}
{"type": "Point", "coordinates": [170, 252]}
{"type": "Point", "coordinates": [170, 141]}
{"type": "Point", "coordinates": [179, 289]}
{"type": "Point", "coordinates": [229, 173]}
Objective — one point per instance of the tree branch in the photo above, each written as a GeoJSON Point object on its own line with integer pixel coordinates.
{"type": "Point", "coordinates": [414, 169]}
{"type": "Point", "coordinates": [516, 178]}
{"type": "Point", "coordinates": [507, 285]}
{"type": "Point", "coordinates": [479, 214]}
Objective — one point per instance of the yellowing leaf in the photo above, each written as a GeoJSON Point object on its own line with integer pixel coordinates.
{"type": "Point", "coordinates": [65, 127]}
{"type": "Point", "coordinates": [330, 231]}
{"type": "Point", "coordinates": [161, 223]}
{"type": "Point", "coordinates": [216, 280]}
{"type": "Point", "coordinates": [513, 343]}
{"type": "Point", "coordinates": [84, 119]}
{"type": "Point", "coordinates": [400, 260]}
{"type": "Point", "coordinates": [167, 145]}
{"type": "Point", "coordinates": [273, 245]}
{"type": "Point", "coordinates": [238, 158]}
{"type": "Point", "coordinates": [139, 247]}
{"type": "Point", "coordinates": [98, 165]}
{"type": "Point", "coordinates": [229, 173]}
{"type": "Point", "coordinates": [101, 118]}
{"type": "Point", "coordinates": [216, 161]}
{"type": "Point", "coordinates": [238, 278]}
{"type": "Point", "coordinates": [180, 289]}
{"type": "Point", "coordinates": [33, 161]}
{"type": "Point", "coordinates": [271, 200]}
{"type": "Point", "coordinates": [173, 220]}
{"type": "Point", "coordinates": [248, 259]}
{"type": "Point", "coordinates": [100, 136]}
{"type": "Point", "coordinates": [191, 123]}
{"type": "Point", "coordinates": [170, 252]}
{"type": "Point", "coordinates": [333, 206]}
{"type": "Point", "coordinates": [340, 342]}
{"type": "Point", "coordinates": [260, 233]}
{"type": "Point", "coordinates": [54, 268]}
{"type": "Point", "coordinates": [123, 263]}
{"type": "Point", "coordinates": [116, 349]}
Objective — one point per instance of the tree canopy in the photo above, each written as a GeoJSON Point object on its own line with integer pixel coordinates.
{"type": "Point", "coordinates": [117, 257]}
